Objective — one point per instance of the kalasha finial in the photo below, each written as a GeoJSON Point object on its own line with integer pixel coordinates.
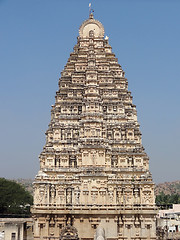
{"type": "Point", "coordinates": [91, 11]}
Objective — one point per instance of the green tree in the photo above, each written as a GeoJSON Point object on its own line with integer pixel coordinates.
{"type": "Point", "coordinates": [14, 199]}
{"type": "Point", "coordinates": [167, 200]}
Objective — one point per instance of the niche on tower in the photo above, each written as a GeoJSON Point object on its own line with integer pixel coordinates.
{"type": "Point", "coordinates": [69, 196]}
{"type": "Point", "coordinates": [57, 161]}
{"type": "Point", "coordinates": [72, 161]}
{"type": "Point", "coordinates": [114, 161]}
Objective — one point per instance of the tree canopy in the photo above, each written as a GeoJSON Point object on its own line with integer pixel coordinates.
{"type": "Point", "coordinates": [167, 199]}
{"type": "Point", "coordinates": [14, 199]}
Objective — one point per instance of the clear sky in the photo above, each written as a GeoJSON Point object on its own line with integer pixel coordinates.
{"type": "Point", "coordinates": [36, 38]}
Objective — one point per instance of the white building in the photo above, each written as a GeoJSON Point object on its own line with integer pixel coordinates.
{"type": "Point", "coordinates": [16, 229]}
{"type": "Point", "coordinates": [170, 218]}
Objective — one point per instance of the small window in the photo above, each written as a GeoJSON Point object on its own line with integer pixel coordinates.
{"type": "Point", "coordinates": [13, 236]}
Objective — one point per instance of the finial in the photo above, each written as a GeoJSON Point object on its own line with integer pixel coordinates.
{"type": "Point", "coordinates": [91, 16]}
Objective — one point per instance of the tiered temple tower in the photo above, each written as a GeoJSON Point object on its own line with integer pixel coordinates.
{"type": "Point", "coordinates": [94, 172]}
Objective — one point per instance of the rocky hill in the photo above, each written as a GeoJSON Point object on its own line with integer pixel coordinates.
{"type": "Point", "coordinates": [166, 187]}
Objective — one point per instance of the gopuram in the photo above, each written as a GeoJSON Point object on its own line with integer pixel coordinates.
{"type": "Point", "coordinates": [94, 180]}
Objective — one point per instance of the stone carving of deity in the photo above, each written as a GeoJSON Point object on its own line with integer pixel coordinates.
{"type": "Point", "coordinates": [93, 157]}
{"type": "Point", "coordinates": [119, 196]}
{"type": "Point", "coordinates": [46, 193]}
{"type": "Point", "coordinates": [69, 196]}
{"type": "Point", "coordinates": [136, 196]}
{"type": "Point", "coordinates": [91, 33]}
{"type": "Point", "coordinates": [77, 195]}
{"type": "Point", "coordinates": [61, 194]}
{"type": "Point", "coordinates": [111, 195]}
{"type": "Point", "coordinates": [53, 192]}
{"type": "Point", "coordinates": [94, 194]}
{"type": "Point", "coordinates": [41, 193]}
{"type": "Point", "coordinates": [128, 196]}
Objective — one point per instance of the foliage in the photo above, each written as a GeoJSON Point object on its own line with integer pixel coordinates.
{"type": "Point", "coordinates": [14, 199]}
{"type": "Point", "coordinates": [167, 200]}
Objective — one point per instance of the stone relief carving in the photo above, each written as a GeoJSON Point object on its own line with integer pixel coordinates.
{"type": "Point", "coordinates": [52, 193]}
{"type": "Point", "coordinates": [147, 196]}
{"type": "Point", "coordinates": [128, 196]}
{"type": "Point", "coordinates": [136, 196]}
{"type": "Point", "coordinates": [69, 232]}
{"type": "Point", "coordinates": [68, 196]}
{"type": "Point", "coordinates": [111, 194]}
{"type": "Point", "coordinates": [61, 194]}
{"type": "Point", "coordinates": [93, 156]}
{"type": "Point", "coordinates": [76, 195]}
{"type": "Point", "coordinates": [41, 193]}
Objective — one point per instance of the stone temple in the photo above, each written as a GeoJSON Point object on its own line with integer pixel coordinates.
{"type": "Point", "coordinates": [94, 180]}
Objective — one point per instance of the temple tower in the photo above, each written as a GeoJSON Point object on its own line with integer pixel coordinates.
{"type": "Point", "coordinates": [94, 172]}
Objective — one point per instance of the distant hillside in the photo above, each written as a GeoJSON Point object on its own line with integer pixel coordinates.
{"type": "Point", "coordinates": [166, 188]}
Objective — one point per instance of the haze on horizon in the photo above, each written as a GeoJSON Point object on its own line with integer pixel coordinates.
{"type": "Point", "coordinates": [37, 38]}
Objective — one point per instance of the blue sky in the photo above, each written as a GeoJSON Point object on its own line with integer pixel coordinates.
{"type": "Point", "coordinates": [36, 38]}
